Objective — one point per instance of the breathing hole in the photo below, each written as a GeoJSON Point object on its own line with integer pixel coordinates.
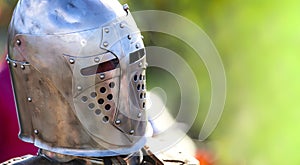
{"type": "Point", "coordinates": [103, 90]}
{"type": "Point", "coordinates": [138, 87]}
{"type": "Point", "coordinates": [135, 78]}
{"type": "Point", "coordinates": [141, 77]}
{"type": "Point", "coordinates": [100, 101]}
{"type": "Point", "coordinates": [107, 107]}
{"type": "Point", "coordinates": [144, 95]}
{"type": "Point", "coordinates": [105, 119]}
{"type": "Point", "coordinates": [143, 86]}
{"type": "Point", "coordinates": [144, 77]}
{"type": "Point", "coordinates": [111, 85]}
{"type": "Point", "coordinates": [97, 111]}
{"type": "Point", "coordinates": [91, 105]}
{"type": "Point", "coordinates": [110, 97]}
{"type": "Point", "coordinates": [84, 98]}
{"type": "Point", "coordinates": [141, 95]}
{"type": "Point", "coordinates": [144, 104]}
{"type": "Point", "coordinates": [93, 94]}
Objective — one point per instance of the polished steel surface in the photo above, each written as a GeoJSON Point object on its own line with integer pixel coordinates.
{"type": "Point", "coordinates": [41, 17]}
{"type": "Point", "coordinates": [78, 70]}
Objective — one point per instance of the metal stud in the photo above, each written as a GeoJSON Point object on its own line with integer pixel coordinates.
{"type": "Point", "coordinates": [102, 76]}
{"type": "Point", "coordinates": [106, 30]}
{"type": "Point", "coordinates": [126, 7]}
{"type": "Point", "coordinates": [139, 115]}
{"type": "Point", "coordinates": [97, 59]}
{"type": "Point", "coordinates": [7, 61]}
{"type": "Point", "coordinates": [15, 64]}
{"type": "Point", "coordinates": [36, 131]}
{"type": "Point", "coordinates": [137, 45]}
{"type": "Point", "coordinates": [79, 88]}
{"type": "Point", "coordinates": [83, 42]}
{"type": "Point", "coordinates": [131, 131]}
{"type": "Point", "coordinates": [18, 42]}
{"type": "Point", "coordinates": [105, 44]}
{"type": "Point", "coordinates": [29, 99]}
{"type": "Point", "coordinates": [140, 64]}
{"type": "Point", "coordinates": [22, 67]}
{"type": "Point", "coordinates": [118, 121]}
{"type": "Point", "coordinates": [122, 25]}
{"type": "Point", "coordinates": [72, 61]}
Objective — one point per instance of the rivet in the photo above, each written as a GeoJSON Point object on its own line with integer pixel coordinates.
{"type": "Point", "coordinates": [137, 45]}
{"type": "Point", "coordinates": [18, 42]}
{"type": "Point", "coordinates": [72, 61]}
{"type": "Point", "coordinates": [22, 67]}
{"type": "Point", "coordinates": [36, 131]}
{"type": "Point", "coordinates": [106, 30]}
{"type": "Point", "coordinates": [14, 64]}
{"type": "Point", "coordinates": [102, 76]}
{"type": "Point", "coordinates": [7, 61]}
{"type": "Point", "coordinates": [139, 115]}
{"type": "Point", "coordinates": [140, 64]}
{"type": "Point", "coordinates": [83, 42]}
{"type": "Point", "coordinates": [118, 121]}
{"type": "Point", "coordinates": [105, 44]}
{"type": "Point", "coordinates": [126, 7]}
{"type": "Point", "coordinates": [129, 37]}
{"type": "Point", "coordinates": [79, 88]}
{"type": "Point", "coordinates": [131, 131]}
{"type": "Point", "coordinates": [122, 25]}
{"type": "Point", "coordinates": [29, 99]}
{"type": "Point", "coordinates": [97, 59]}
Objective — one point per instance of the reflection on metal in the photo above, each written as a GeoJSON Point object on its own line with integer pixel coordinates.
{"type": "Point", "coordinates": [79, 76]}
{"type": "Point", "coordinates": [29, 99]}
{"type": "Point", "coordinates": [72, 61]}
{"type": "Point", "coordinates": [15, 62]}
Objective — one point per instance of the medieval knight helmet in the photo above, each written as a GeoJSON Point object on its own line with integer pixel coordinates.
{"type": "Point", "coordinates": [78, 73]}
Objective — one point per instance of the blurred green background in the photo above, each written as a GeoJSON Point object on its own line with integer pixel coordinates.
{"type": "Point", "coordinates": [259, 42]}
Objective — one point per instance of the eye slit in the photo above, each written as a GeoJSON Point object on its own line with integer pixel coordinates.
{"type": "Point", "coordinates": [135, 56]}
{"type": "Point", "coordinates": [100, 68]}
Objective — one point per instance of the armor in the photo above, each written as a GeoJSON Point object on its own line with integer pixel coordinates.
{"type": "Point", "coordinates": [79, 80]}
{"type": "Point", "coordinates": [78, 71]}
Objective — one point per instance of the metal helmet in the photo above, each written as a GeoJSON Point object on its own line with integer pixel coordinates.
{"type": "Point", "coordinates": [78, 73]}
